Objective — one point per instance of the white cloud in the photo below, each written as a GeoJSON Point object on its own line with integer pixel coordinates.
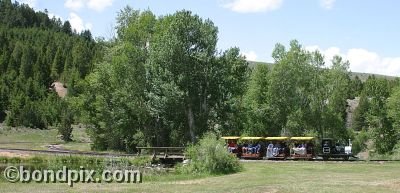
{"type": "Point", "coordinates": [88, 26]}
{"type": "Point", "coordinates": [327, 4]}
{"type": "Point", "coordinates": [362, 60]}
{"type": "Point", "coordinates": [328, 53]}
{"type": "Point", "coordinates": [251, 6]}
{"type": "Point", "coordinates": [51, 15]}
{"type": "Point", "coordinates": [312, 48]}
{"type": "Point", "coordinates": [74, 4]}
{"type": "Point", "coordinates": [331, 52]}
{"type": "Point", "coordinates": [252, 56]}
{"type": "Point", "coordinates": [77, 23]}
{"type": "Point", "coordinates": [31, 3]}
{"type": "Point", "coordinates": [97, 5]}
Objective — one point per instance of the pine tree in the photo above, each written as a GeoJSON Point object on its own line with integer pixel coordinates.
{"type": "Point", "coordinates": [360, 114]}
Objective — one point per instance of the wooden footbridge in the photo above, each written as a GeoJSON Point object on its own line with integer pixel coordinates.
{"type": "Point", "coordinates": [165, 154]}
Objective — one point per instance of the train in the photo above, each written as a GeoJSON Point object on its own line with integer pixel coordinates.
{"type": "Point", "coordinates": [284, 148]}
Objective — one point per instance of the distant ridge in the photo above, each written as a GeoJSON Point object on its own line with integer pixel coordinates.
{"type": "Point", "coordinates": [363, 76]}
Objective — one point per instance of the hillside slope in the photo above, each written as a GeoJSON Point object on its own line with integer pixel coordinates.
{"type": "Point", "coordinates": [35, 52]}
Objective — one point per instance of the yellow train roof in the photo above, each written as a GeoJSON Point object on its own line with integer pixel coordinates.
{"type": "Point", "coordinates": [277, 138]}
{"type": "Point", "coordinates": [230, 137]}
{"type": "Point", "coordinates": [302, 138]}
{"type": "Point", "coordinates": [250, 138]}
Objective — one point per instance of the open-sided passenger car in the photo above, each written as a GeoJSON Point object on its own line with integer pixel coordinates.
{"type": "Point", "coordinates": [277, 148]}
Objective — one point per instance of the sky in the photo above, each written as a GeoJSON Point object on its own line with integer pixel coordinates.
{"type": "Point", "coordinates": [365, 32]}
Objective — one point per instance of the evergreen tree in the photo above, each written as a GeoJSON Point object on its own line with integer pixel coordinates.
{"type": "Point", "coordinates": [356, 87]}
{"type": "Point", "coordinates": [67, 28]}
{"type": "Point", "coordinates": [65, 127]}
{"type": "Point", "coordinates": [360, 114]}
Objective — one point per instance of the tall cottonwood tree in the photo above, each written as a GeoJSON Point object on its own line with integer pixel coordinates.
{"type": "Point", "coordinates": [184, 63]}
{"type": "Point", "coordinates": [115, 98]}
{"type": "Point", "coordinates": [162, 82]}
{"type": "Point", "coordinates": [337, 87]}
{"type": "Point", "coordinates": [383, 134]}
{"type": "Point", "coordinates": [259, 115]}
{"type": "Point", "coordinates": [299, 96]}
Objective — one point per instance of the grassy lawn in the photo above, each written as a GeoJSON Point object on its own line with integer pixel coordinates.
{"type": "Point", "coordinates": [256, 177]}
{"type": "Point", "coordinates": [26, 138]}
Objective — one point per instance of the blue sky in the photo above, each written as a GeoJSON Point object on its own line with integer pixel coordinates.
{"type": "Point", "coordinates": [365, 32]}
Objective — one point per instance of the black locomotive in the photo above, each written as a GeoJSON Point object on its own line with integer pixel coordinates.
{"type": "Point", "coordinates": [335, 151]}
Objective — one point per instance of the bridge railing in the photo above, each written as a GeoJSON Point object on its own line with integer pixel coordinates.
{"type": "Point", "coordinates": [163, 152]}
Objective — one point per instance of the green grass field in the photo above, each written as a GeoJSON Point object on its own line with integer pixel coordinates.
{"type": "Point", "coordinates": [256, 177]}
{"type": "Point", "coordinates": [26, 138]}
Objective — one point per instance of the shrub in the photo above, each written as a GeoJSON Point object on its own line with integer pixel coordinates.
{"type": "Point", "coordinates": [141, 161]}
{"type": "Point", "coordinates": [210, 156]}
{"type": "Point", "coordinates": [359, 141]}
{"type": "Point", "coordinates": [65, 127]}
{"type": "Point", "coordinates": [393, 155]}
{"type": "Point", "coordinates": [396, 152]}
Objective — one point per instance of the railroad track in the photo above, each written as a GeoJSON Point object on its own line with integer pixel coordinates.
{"type": "Point", "coordinates": [320, 160]}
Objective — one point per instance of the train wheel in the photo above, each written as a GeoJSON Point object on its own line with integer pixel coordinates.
{"type": "Point", "coordinates": [325, 158]}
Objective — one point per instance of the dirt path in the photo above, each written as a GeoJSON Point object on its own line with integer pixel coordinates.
{"type": "Point", "coordinates": [13, 154]}
{"type": "Point", "coordinates": [28, 152]}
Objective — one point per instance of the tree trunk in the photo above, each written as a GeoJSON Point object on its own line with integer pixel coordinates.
{"type": "Point", "coordinates": [191, 124]}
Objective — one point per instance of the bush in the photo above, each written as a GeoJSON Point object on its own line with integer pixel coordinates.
{"type": "Point", "coordinates": [141, 161]}
{"type": "Point", "coordinates": [65, 127]}
{"type": "Point", "coordinates": [210, 156]}
{"type": "Point", "coordinates": [396, 152]}
{"type": "Point", "coordinates": [393, 155]}
{"type": "Point", "coordinates": [359, 141]}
